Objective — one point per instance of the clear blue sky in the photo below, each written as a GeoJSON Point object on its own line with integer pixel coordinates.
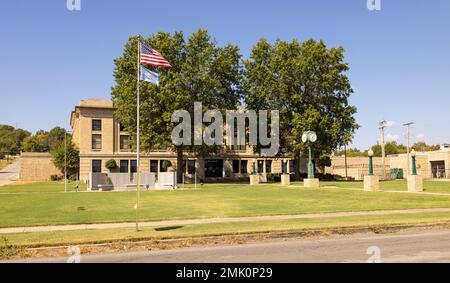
{"type": "Point", "coordinates": [50, 57]}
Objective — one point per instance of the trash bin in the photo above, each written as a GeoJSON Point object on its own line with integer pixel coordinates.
{"type": "Point", "coordinates": [396, 173]}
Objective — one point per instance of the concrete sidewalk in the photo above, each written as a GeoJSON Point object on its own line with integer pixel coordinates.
{"type": "Point", "coordinates": [9, 173]}
{"type": "Point", "coordinates": [168, 223]}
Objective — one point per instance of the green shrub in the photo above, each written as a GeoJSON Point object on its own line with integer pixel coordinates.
{"type": "Point", "coordinates": [55, 177]}
{"type": "Point", "coordinates": [8, 250]}
{"type": "Point", "coordinates": [166, 164]}
{"type": "Point", "coordinates": [111, 164]}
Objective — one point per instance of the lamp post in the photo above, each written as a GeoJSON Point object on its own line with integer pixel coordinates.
{"type": "Point", "coordinates": [414, 167]}
{"type": "Point", "coordinates": [284, 168]}
{"type": "Point", "coordinates": [415, 182]}
{"type": "Point", "coordinates": [254, 167]}
{"type": "Point", "coordinates": [310, 165]}
{"type": "Point", "coordinates": [371, 182]}
{"type": "Point", "coordinates": [309, 138]}
{"type": "Point", "coordinates": [370, 153]}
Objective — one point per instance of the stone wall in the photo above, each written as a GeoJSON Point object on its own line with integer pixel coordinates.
{"type": "Point", "coordinates": [37, 167]}
{"type": "Point", "coordinates": [357, 167]}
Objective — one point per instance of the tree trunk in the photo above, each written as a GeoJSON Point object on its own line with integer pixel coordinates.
{"type": "Point", "coordinates": [180, 164]}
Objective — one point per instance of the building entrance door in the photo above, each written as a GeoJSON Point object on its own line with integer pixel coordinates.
{"type": "Point", "coordinates": [438, 169]}
{"type": "Point", "coordinates": [214, 168]}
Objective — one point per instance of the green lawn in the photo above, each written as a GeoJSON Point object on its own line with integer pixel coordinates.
{"type": "Point", "coordinates": [214, 229]}
{"type": "Point", "coordinates": [397, 185]}
{"type": "Point", "coordinates": [47, 204]}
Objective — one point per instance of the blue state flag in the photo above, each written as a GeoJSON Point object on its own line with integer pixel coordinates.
{"type": "Point", "coordinates": [149, 76]}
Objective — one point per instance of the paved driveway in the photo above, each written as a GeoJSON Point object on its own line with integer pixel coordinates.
{"type": "Point", "coordinates": [9, 173]}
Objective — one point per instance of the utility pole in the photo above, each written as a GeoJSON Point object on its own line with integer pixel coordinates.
{"type": "Point", "coordinates": [383, 125]}
{"type": "Point", "coordinates": [408, 135]}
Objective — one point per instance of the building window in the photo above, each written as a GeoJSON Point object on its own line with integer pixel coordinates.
{"type": "Point", "coordinates": [161, 169]}
{"type": "Point", "coordinates": [235, 166]}
{"type": "Point", "coordinates": [96, 166]}
{"type": "Point", "coordinates": [133, 166]}
{"type": "Point", "coordinates": [97, 142]}
{"type": "Point", "coordinates": [268, 166]}
{"type": "Point", "coordinates": [123, 166]}
{"type": "Point", "coordinates": [125, 142]}
{"type": "Point", "coordinates": [96, 125]}
{"type": "Point", "coordinates": [260, 166]}
{"type": "Point", "coordinates": [154, 166]}
{"type": "Point", "coordinates": [237, 147]}
{"type": "Point", "coordinates": [122, 128]}
{"type": "Point", "coordinates": [191, 167]}
{"type": "Point", "coordinates": [244, 164]}
{"type": "Point", "coordinates": [292, 166]}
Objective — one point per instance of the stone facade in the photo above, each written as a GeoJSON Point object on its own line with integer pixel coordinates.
{"type": "Point", "coordinates": [99, 136]}
{"type": "Point", "coordinates": [357, 167]}
{"type": "Point", "coordinates": [37, 167]}
{"type": "Point", "coordinates": [430, 165]}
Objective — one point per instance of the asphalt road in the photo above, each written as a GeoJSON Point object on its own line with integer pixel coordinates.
{"type": "Point", "coordinates": [417, 245]}
{"type": "Point", "coordinates": [9, 172]}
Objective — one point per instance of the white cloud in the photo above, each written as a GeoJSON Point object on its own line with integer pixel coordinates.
{"type": "Point", "coordinates": [392, 138]}
{"type": "Point", "coordinates": [420, 136]}
{"type": "Point", "coordinates": [391, 123]}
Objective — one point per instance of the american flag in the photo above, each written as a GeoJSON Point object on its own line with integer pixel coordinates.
{"type": "Point", "coordinates": [150, 56]}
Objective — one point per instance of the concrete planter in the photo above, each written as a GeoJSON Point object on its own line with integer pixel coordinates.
{"type": "Point", "coordinates": [311, 183]}
{"type": "Point", "coordinates": [371, 183]}
{"type": "Point", "coordinates": [415, 184]}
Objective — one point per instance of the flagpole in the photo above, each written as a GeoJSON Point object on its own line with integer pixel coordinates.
{"type": "Point", "coordinates": [138, 146]}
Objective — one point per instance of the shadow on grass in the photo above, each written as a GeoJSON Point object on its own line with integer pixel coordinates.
{"type": "Point", "coordinates": [168, 228]}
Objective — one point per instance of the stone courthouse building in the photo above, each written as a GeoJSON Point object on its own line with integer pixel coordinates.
{"type": "Point", "coordinates": [100, 137]}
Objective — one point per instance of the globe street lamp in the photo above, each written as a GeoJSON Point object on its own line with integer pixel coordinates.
{"type": "Point", "coordinates": [414, 167]}
{"type": "Point", "coordinates": [370, 153]}
{"type": "Point", "coordinates": [284, 167]}
{"type": "Point", "coordinates": [310, 137]}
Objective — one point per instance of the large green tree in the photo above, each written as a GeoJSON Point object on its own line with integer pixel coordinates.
{"type": "Point", "coordinates": [11, 139]}
{"type": "Point", "coordinates": [308, 84]}
{"type": "Point", "coordinates": [44, 141]}
{"type": "Point", "coordinates": [202, 72]}
{"type": "Point", "coordinates": [68, 156]}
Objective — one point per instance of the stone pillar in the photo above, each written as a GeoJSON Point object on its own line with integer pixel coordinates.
{"type": "Point", "coordinates": [311, 183]}
{"type": "Point", "coordinates": [254, 179]}
{"type": "Point", "coordinates": [415, 184]}
{"type": "Point", "coordinates": [371, 183]}
{"type": "Point", "coordinates": [285, 180]}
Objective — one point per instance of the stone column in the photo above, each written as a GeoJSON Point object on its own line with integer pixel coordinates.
{"type": "Point", "coordinates": [371, 182]}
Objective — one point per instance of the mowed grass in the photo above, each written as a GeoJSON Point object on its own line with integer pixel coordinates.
{"type": "Point", "coordinates": [47, 204]}
{"type": "Point", "coordinates": [397, 185]}
{"type": "Point", "coordinates": [57, 238]}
